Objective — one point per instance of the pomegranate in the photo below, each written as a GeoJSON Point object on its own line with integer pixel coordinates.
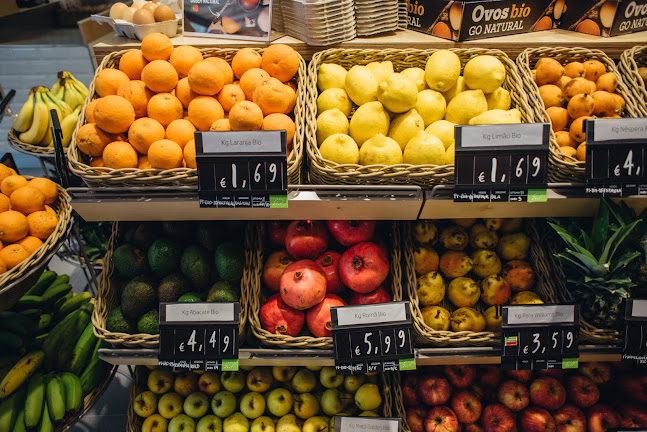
{"type": "Point", "coordinates": [364, 267]}
{"type": "Point", "coordinates": [306, 239]}
{"type": "Point", "coordinates": [351, 232]}
{"type": "Point", "coordinates": [379, 295]}
{"type": "Point", "coordinates": [303, 284]}
{"type": "Point", "coordinates": [274, 267]}
{"type": "Point", "coordinates": [329, 263]}
{"type": "Point", "coordinates": [276, 231]}
{"type": "Point", "coordinates": [319, 316]}
{"type": "Point", "coordinates": [279, 318]}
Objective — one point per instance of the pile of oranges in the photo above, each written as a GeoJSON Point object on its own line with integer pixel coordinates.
{"type": "Point", "coordinates": [26, 219]}
{"type": "Point", "coordinates": [149, 108]}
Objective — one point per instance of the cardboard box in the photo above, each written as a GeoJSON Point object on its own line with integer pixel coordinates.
{"type": "Point", "coordinates": [605, 18]}
{"type": "Point", "coordinates": [480, 19]}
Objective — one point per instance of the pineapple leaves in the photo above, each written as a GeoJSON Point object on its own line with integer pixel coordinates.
{"type": "Point", "coordinates": [588, 242]}
{"type": "Point", "coordinates": [615, 241]}
{"type": "Point", "coordinates": [571, 241]}
{"type": "Point", "coordinates": [600, 229]}
{"type": "Point", "coordinates": [624, 260]}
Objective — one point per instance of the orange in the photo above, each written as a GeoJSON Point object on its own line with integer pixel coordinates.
{"type": "Point", "coordinates": [13, 171]}
{"type": "Point", "coordinates": [203, 111]}
{"type": "Point", "coordinates": [27, 199]}
{"type": "Point", "coordinates": [13, 255]}
{"type": "Point", "coordinates": [13, 226]}
{"type": "Point", "coordinates": [279, 121]}
{"type": "Point", "coordinates": [42, 224]}
{"type": "Point", "coordinates": [132, 64]}
{"type": "Point", "coordinates": [205, 78]}
{"type": "Point", "coordinates": [180, 131]}
{"type": "Point", "coordinates": [183, 58]}
{"type": "Point", "coordinates": [144, 163]}
{"type": "Point", "coordinates": [157, 46]}
{"type": "Point", "coordinates": [160, 76]}
{"type": "Point", "coordinates": [114, 114]}
{"type": "Point", "coordinates": [251, 79]}
{"type": "Point", "coordinates": [144, 132]}
{"type": "Point", "coordinates": [5, 203]}
{"type": "Point", "coordinates": [119, 154]}
{"type": "Point", "coordinates": [108, 81]}
{"type": "Point", "coordinates": [224, 68]}
{"type": "Point", "coordinates": [274, 97]}
{"type": "Point", "coordinates": [164, 107]}
{"type": "Point", "coordinates": [97, 162]}
{"type": "Point", "coordinates": [184, 93]}
{"type": "Point", "coordinates": [280, 61]}
{"type": "Point", "coordinates": [230, 95]}
{"type": "Point", "coordinates": [165, 154]}
{"type": "Point", "coordinates": [137, 94]}
{"type": "Point", "coordinates": [91, 140]}
{"type": "Point", "coordinates": [31, 243]}
{"type": "Point", "coordinates": [244, 60]}
{"type": "Point", "coordinates": [245, 116]}
{"type": "Point", "coordinates": [5, 171]}
{"type": "Point", "coordinates": [221, 125]}
{"type": "Point", "coordinates": [89, 110]}
{"type": "Point", "coordinates": [11, 183]}
{"type": "Point", "coordinates": [189, 155]}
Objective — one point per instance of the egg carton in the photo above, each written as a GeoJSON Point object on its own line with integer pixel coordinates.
{"type": "Point", "coordinates": [140, 31]}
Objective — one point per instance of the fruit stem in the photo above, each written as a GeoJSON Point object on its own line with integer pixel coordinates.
{"type": "Point", "coordinates": [357, 262]}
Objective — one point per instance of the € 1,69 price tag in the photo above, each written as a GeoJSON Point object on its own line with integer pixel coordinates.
{"type": "Point", "coordinates": [367, 424]}
{"type": "Point", "coordinates": [635, 346]}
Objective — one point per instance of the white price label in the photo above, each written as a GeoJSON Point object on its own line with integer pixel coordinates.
{"type": "Point", "coordinates": [639, 309]}
{"type": "Point", "coordinates": [373, 314]}
{"type": "Point", "coordinates": [540, 314]}
{"type": "Point", "coordinates": [199, 312]}
{"type": "Point", "coordinates": [505, 135]}
{"type": "Point", "coordinates": [365, 424]}
{"type": "Point", "coordinates": [620, 129]}
{"type": "Point", "coordinates": [241, 142]}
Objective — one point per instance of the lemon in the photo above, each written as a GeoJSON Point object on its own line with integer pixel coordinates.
{"type": "Point", "coordinates": [381, 70]}
{"type": "Point", "coordinates": [443, 130]}
{"type": "Point", "coordinates": [340, 148]}
{"type": "Point", "coordinates": [417, 75]}
{"type": "Point", "coordinates": [406, 126]}
{"type": "Point", "coordinates": [466, 105]}
{"type": "Point", "coordinates": [498, 99]}
{"type": "Point", "coordinates": [497, 116]}
{"type": "Point", "coordinates": [458, 87]}
{"type": "Point", "coordinates": [484, 72]}
{"type": "Point", "coordinates": [442, 70]}
{"type": "Point", "coordinates": [397, 93]}
{"type": "Point", "coordinates": [331, 75]}
{"type": "Point", "coordinates": [449, 155]}
{"type": "Point", "coordinates": [361, 85]}
{"type": "Point", "coordinates": [334, 98]}
{"type": "Point", "coordinates": [431, 106]}
{"type": "Point", "coordinates": [424, 149]}
{"type": "Point", "coordinates": [331, 122]}
{"type": "Point", "coordinates": [368, 120]}
{"type": "Point", "coordinates": [380, 150]}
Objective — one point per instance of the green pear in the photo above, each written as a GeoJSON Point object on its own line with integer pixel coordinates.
{"type": "Point", "coordinates": [436, 317]}
{"type": "Point", "coordinates": [424, 149]}
{"type": "Point", "coordinates": [361, 85]}
{"type": "Point", "coordinates": [405, 126]}
{"type": "Point", "coordinates": [367, 121]}
{"type": "Point", "coordinates": [315, 424]}
{"type": "Point", "coordinates": [288, 423]}
{"type": "Point", "coordinates": [262, 424]}
{"type": "Point", "coordinates": [380, 150]}
{"type": "Point", "coordinates": [353, 382]}
{"type": "Point", "coordinates": [465, 106]}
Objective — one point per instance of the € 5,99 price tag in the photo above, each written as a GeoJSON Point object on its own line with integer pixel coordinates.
{"type": "Point", "coordinates": [635, 346]}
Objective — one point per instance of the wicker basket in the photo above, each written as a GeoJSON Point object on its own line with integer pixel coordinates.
{"type": "Point", "coordinates": [630, 61]}
{"type": "Point", "coordinates": [108, 298]}
{"type": "Point", "coordinates": [561, 167]}
{"type": "Point", "coordinates": [101, 176]}
{"type": "Point", "coordinates": [425, 335]}
{"type": "Point", "coordinates": [323, 171]}
{"type": "Point", "coordinates": [30, 149]}
{"type": "Point", "coordinates": [257, 295]}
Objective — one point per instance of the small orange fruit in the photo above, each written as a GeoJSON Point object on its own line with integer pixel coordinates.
{"type": "Point", "coordinates": [97, 162]}
{"type": "Point", "coordinates": [244, 60]}
{"type": "Point", "coordinates": [245, 116]}
{"type": "Point", "coordinates": [574, 69]}
{"type": "Point", "coordinates": [577, 129]}
{"type": "Point", "coordinates": [114, 114]}
{"type": "Point", "coordinates": [280, 61]}
{"type": "Point", "coordinates": [230, 95]}
{"type": "Point", "coordinates": [5, 171]}
{"type": "Point", "coordinates": [274, 97]}
{"type": "Point", "coordinates": [189, 155]}
{"type": "Point", "coordinates": [568, 151]}
{"type": "Point", "coordinates": [180, 131]}
{"type": "Point", "coordinates": [11, 183]}
{"type": "Point", "coordinates": [31, 243]}
{"type": "Point", "coordinates": [203, 111]}
{"type": "Point", "coordinates": [3, 267]}
{"type": "Point", "coordinates": [558, 118]}
{"type": "Point", "coordinates": [119, 154]}
{"type": "Point", "coordinates": [137, 94]}
{"type": "Point", "coordinates": [251, 79]}
{"type": "Point", "coordinates": [42, 224]}
{"type": "Point", "coordinates": [224, 68]}
{"type": "Point", "coordinates": [108, 81]}
{"type": "Point", "coordinates": [580, 154]}
{"type": "Point", "coordinates": [13, 226]}
{"type": "Point", "coordinates": [607, 82]}
{"type": "Point", "coordinates": [13, 255]}
{"type": "Point", "coordinates": [144, 132]}
{"type": "Point", "coordinates": [564, 139]}
{"type": "Point", "coordinates": [184, 93]}
{"type": "Point", "coordinates": [205, 78]}
{"type": "Point", "coordinates": [144, 163]}
{"type": "Point", "coordinates": [132, 64]}
{"type": "Point", "coordinates": [91, 140]}
{"type": "Point", "coordinates": [89, 110]}
{"type": "Point", "coordinates": [221, 125]}
{"type": "Point", "coordinates": [278, 121]}
{"type": "Point", "coordinates": [183, 58]}
{"type": "Point", "coordinates": [5, 203]}
{"type": "Point", "coordinates": [164, 107]}
{"type": "Point", "coordinates": [157, 46]}
{"type": "Point", "coordinates": [27, 199]}
{"type": "Point", "coordinates": [165, 154]}
{"type": "Point", "coordinates": [160, 76]}
{"type": "Point", "coordinates": [594, 69]}
{"type": "Point", "coordinates": [48, 209]}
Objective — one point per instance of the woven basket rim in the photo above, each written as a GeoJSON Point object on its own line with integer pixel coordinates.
{"type": "Point", "coordinates": [30, 149]}
{"type": "Point", "coordinates": [628, 65]}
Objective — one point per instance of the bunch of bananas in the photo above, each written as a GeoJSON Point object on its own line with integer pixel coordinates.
{"type": "Point", "coordinates": [52, 325]}
{"type": "Point", "coordinates": [70, 90]}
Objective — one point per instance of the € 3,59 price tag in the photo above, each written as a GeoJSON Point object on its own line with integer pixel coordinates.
{"type": "Point", "coordinates": [367, 424]}
{"type": "Point", "coordinates": [635, 346]}
{"type": "Point", "coordinates": [199, 336]}
{"type": "Point", "coordinates": [540, 337]}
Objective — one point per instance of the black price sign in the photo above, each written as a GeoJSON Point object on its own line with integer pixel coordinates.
{"type": "Point", "coordinates": [615, 157]}
{"type": "Point", "coordinates": [372, 338]}
{"type": "Point", "coordinates": [501, 163]}
{"type": "Point", "coordinates": [242, 169]}
{"type": "Point", "coordinates": [540, 337]}
{"type": "Point", "coordinates": [199, 336]}
{"type": "Point", "coordinates": [635, 347]}
{"type": "Point", "coordinates": [359, 424]}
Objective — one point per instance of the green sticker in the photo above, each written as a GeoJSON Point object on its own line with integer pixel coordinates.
{"type": "Point", "coordinates": [407, 364]}
{"type": "Point", "coordinates": [230, 365]}
{"type": "Point", "coordinates": [278, 201]}
{"type": "Point", "coordinates": [537, 195]}
{"type": "Point", "coordinates": [569, 363]}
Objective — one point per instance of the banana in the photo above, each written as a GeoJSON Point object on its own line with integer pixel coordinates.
{"type": "Point", "coordinates": [28, 302]}
{"type": "Point", "coordinates": [74, 303]}
{"type": "Point", "coordinates": [78, 83]}
{"type": "Point", "coordinates": [21, 371]}
{"type": "Point", "coordinates": [56, 335]}
{"type": "Point", "coordinates": [32, 314]}
{"type": "Point", "coordinates": [20, 422]}
{"type": "Point", "coordinates": [60, 302]}
{"type": "Point", "coordinates": [56, 87]}
{"type": "Point", "coordinates": [68, 125]}
{"type": "Point", "coordinates": [72, 97]}
{"type": "Point", "coordinates": [73, 392]}
{"type": "Point", "coordinates": [55, 395]}
{"type": "Point", "coordinates": [69, 341]}
{"type": "Point", "coordinates": [10, 339]}
{"type": "Point", "coordinates": [9, 409]}
{"type": "Point", "coordinates": [45, 424]}
{"type": "Point", "coordinates": [65, 108]}
{"type": "Point", "coordinates": [34, 401]}
{"type": "Point", "coordinates": [61, 279]}
{"type": "Point", "coordinates": [45, 280]}
{"type": "Point", "coordinates": [55, 293]}
{"type": "Point", "coordinates": [39, 123]}
{"type": "Point", "coordinates": [45, 321]}
{"type": "Point", "coordinates": [94, 372]}
{"type": "Point", "coordinates": [26, 114]}
{"type": "Point", "coordinates": [83, 349]}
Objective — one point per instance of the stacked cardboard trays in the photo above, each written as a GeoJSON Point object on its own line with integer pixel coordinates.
{"type": "Point", "coordinates": [319, 22]}
{"type": "Point", "coordinates": [277, 16]}
{"type": "Point", "coordinates": [376, 16]}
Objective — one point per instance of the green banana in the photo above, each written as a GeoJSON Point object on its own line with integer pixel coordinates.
{"type": "Point", "coordinates": [15, 326]}
{"type": "Point", "coordinates": [32, 314]}
{"type": "Point", "coordinates": [20, 422]}
{"type": "Point", "coordinates": [34, 401]}
{"type": "Point", "coordinates": [74, 303]}
{"type": "Point", "coordinates": [60, 302]}
{"type": "Point", "coordinates": [28, 302]}
{"type": "Point", "coordinates": [9, 409]}
{"type": "Point", "coordinates": [82, 351]}
{"type": "Point", "coordinates": [65, 108]}
{"type": "Point", "coordinates": [69, 341]}
{"type": "Point", "coordinates": [55, 395]}
{"type": "Point", "coordinates": [45, 280]}
{"type": "Point", "coordinates": [45, 321]}
{"type": "Point", "coordinates": [94, 372]}
{"type": "Point", "coordinates": [26, 114]}
{"type": "Point", "coordinates": [10, 339]}
{"type": "Point", "coordinates": [57, 334]}
{"type": "Point", "coordinates": [8, 320]}
{"type": "Point", "coordinates": [21, 371]}
{"type": "Point", "coordinates": [53, 294]}
{"type": "Point", "coordinates": [60, 279]}
{"type": "Point", "coordinates": [73, 392]}
{"type": "Point", "coordinates": [39, 123]}
{"type": "Point", "coordinates": [45, 424]}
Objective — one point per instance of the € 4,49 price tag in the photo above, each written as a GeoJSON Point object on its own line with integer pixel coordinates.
{"type": "Point", "coordinates": [199, 336]}
{"type": "Point", "coordinates": [635, 346]}
{"type": "Point", "coordinates": [372, 338]}
{"type": "Point", "coordinates": [501, 163]}
{"type": "Point", "coordinates": [367, 424]}
{"type": "Point", "coordinates": [540, 337]}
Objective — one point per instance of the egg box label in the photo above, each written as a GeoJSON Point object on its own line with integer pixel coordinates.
{"type": "Point", "coordinates": [471, 20]}
{"type": "Point", "coordinates": [605, 18]}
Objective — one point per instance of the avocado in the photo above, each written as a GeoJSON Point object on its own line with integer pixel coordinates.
{"type": "Point", "coordinates": [230, 259]}
{"type": "Point", "coordinates": [189, 298]}
{"type": "Point", "coordinates": [149, 323]}
{"type": "Point", "coordinates": [172, 287]}
{"type": "Point", "coordinates": [209, 234]}
{"type": "Point", "coordinates": [180, 231]}
{"type": "Point", "coordinates": [116, 322]}
{"type": "Point", "coordinates": [138, 297]}
{"type": "Point", "coordinates": [194, 264]}
{"type": "Point", "coordinates": [222, 291]}
{"type": "Point", "coordinates": [145, 234]}
{"type": "Point", "coordinates": [164, 257]}
{"type": "Point", "coordinates": [129, 261]}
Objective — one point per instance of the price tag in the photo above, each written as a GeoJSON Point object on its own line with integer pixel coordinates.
{"type": "Point", "coordinates": [501, 163]}
{"type": "Point", "coordinates": [540, 337]}
{"type": "Point", "coordinates": [365, 424]}
{"type": "Point", "coordinates": [199, 336]}
{"type": "Point", "coordinates": [372, 338]}
{"type": "Point", "coordinates": [635, 346]}
{"type": "Point", "coordinates": [615, 157]}
{"type": "Point", "coordinates": [242, 169]}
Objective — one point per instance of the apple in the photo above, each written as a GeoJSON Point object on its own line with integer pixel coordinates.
{"type": "Point", "coordinates": [546, 392]}
{"type": "Point", "coordinates": [497, 418]}
{"type": "Point", "coordinates": [236, 423]}
{"type": "Point", "coordinates": [252, 405]}
{"type": "Point", "coordinates": [523, 376]}
{"type": "Point", "coordinates": [279, 402]}
{"type": "Point", "coordinates": [289, 423]}
{"type": "Point", "coordinates": [467, 406]}
{"type": "Point", "coordinates": [489, 376]}
{"type": "Point", "coordinates": [415, 419]}
{"type": "Point", "coordinates": [329, 378]}
{"type": "Point", "coordinates": [155, 423]}
{"type": "Point", "coordinates": [233, 381]}
{"type": "Point", "coordinates": [633, 417]}
{"type": "Point", "coordinates": [368, 397]}
{"type": "Point", "coordinates": [209, 383]}
{"type": "Point", "coordinates": [185, 383]}
{"type": "Point", "coordinates": [353, 382]}
{"type": "Point", "coordinates": [599, 372]}
{"type": "Point", "coordinates": [315, 424]}
{"type": "Point", "coordinates": [348, 403]}
{"type": "Point", "coordinates": [441, 419]}
{"type": "Point", "coordinates": [602, 417]}
{"type": "Point", "coordinates": [196, 404]}
{"type": "Point", "coordinates": [170, 405]}
{"type": "Point", "coordinates": [331, 403]}
{"type": "Point", "coordinates": [181, 423]}
{"type": "Point", "coordinates": [283, 373]}
{"type": "Point", "coordinates": [209, 423]}
{"type": "Point", "coordinates": [461, 376]}
{"type": "Point", "coordinates": [433, 390]}
{"type": "Point", "coordinates": [378, 295]}
{"type": "Point", "coordinates": [472, 427]}
{"type": "Point", "coordinates": [513, 395]}
{"type": "Point", "coordinates": [304, 381]}
{"type": "Point", "coordinates": [145, 404]}
{"type": "Point", "coordinates": [570, 418]}
{"type": "Point", "coordinates": [260, 379]}
{"type": "Point", "coordinates": [160, 381]}
{"type": "Point", "coordinates": [535, 419]}
{"type": "Point", "coordinates": [582, 391]}
{"type": "Point", "coordinates": [634, 386]}
{"type": "Point", "coordinates": [262, 424]}
{"type": "Point", "coordinates": [305, 405]}
{"type": "Point", "coordinates": [223, 403]}
{"type": "Point", "coordinates": [409, 395]}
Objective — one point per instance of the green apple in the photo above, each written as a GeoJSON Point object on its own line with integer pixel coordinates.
{"type": "Point", "coordinates": [185, 383]}
{"type": "Point", "coordinates": [348, 402]}
{"type": "Point", "coordinates": [233, 381]}
{"type": "Point", "coordinates": [315, 424]}
{"type": "Point", "coordinates": [160, 381]}
{"type": "Point", "coordinates": [305, 405]}
{"type": "Point", "coordinates": [288, 423]}
{"type": "Point", "coordinates": [155, 423]}
{"type": "Point", "coordinates": [145, 404]}
{"type": "Point", "coordinates": [329, 378]}
{"type": "Point", "coordinates": [279, 402]}
{"type": "Point", "coordinates": [314, 368]}
{"type": "Point", "coordinates": [283, 373]}
{"type": "Point", "coordinates": [260, 379]}
{"type": "Point", "coordinates": [252, 405]}
{"type": "Point", "coordinates": [368, 414]}
{"type": "Point", "coordinates": [367, 397]}
{"type": "Point", "coordinates": [331, 403]}
{"type": "Point", "coordinates": [209, 383]}
{"type": "Point", "coordinates": [263, 424]}
{"type": "Point", "coordinates": [223, 403]}
{"type": "Point", "coordinates": [236, 423]}
{"type": "Point", "coordinates": [304, 381]}
{"type": "Point", "coordinates": [352, 382]}
{"type": "Point", "coordinates": [181, 423]}
{"type": "Point", "coordinates": [209, 423]}
{"type": "Point", "coordinates": [196, 404]}
{"type": "Point", "coordinates": [170, 405]}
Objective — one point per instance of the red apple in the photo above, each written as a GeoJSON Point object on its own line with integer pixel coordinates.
{"type": "Point", "coordinates": [489, 376]}
{"type": "Point", "coordinates": [318, 317]}
{"type": "Point", "coordinates": [364, 267]}
{"type": "Point", "coordinates": [558, 374]}
{"type": "Point", "coordinates": [416, 419]}
{"type": "Point", "coordinates": [467, 406]}
{"type": "Point", "coordinates": [546, 392]}
{"type": "Point", "coordinates": [570, 418]}
{"type": "Point", "coordinates": [514, 395]}
{"type": "Point", "coordinates": [535, 419]}
{"type": "Point", "coordinates": [379, 295]}
{"type": "Point", "coordinates": [461, 376]}
{"type": "Point", "coordinates": [600, 373]}
{"type": "Point", "coordinates": [472, 427]}
{"type": "Point", "coordinates": [329, 263]}
{"type": "Point", "coordinates": [523, 376]}
{"type": "Point", "coordinates": [602, 417]}
{"type": "Point", "coordinates": [274, 267]}
{"type": "Point", "coordinates": [306, 239]}
{"type": "Point", "coordinates": [633, 416]}
{"type": "Point", "coordinates": [498, 418]}
{"type": "Point", "coordinates": [408, 386]}
{"type": "Point", "coordinates": [433, 390]}
{"type": "Point", "coordinates": [441, 419]}
{"type": "Point", "coordinates": [276, 231]}
{"type": "Point", "coordinates": [582, 391]}
{"type": "Point", "coordinates": [634, 386]}
{"type": "Point", "coordinates": [351, 232]}
{"type": "Point", "coordinates": [279, 318]}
